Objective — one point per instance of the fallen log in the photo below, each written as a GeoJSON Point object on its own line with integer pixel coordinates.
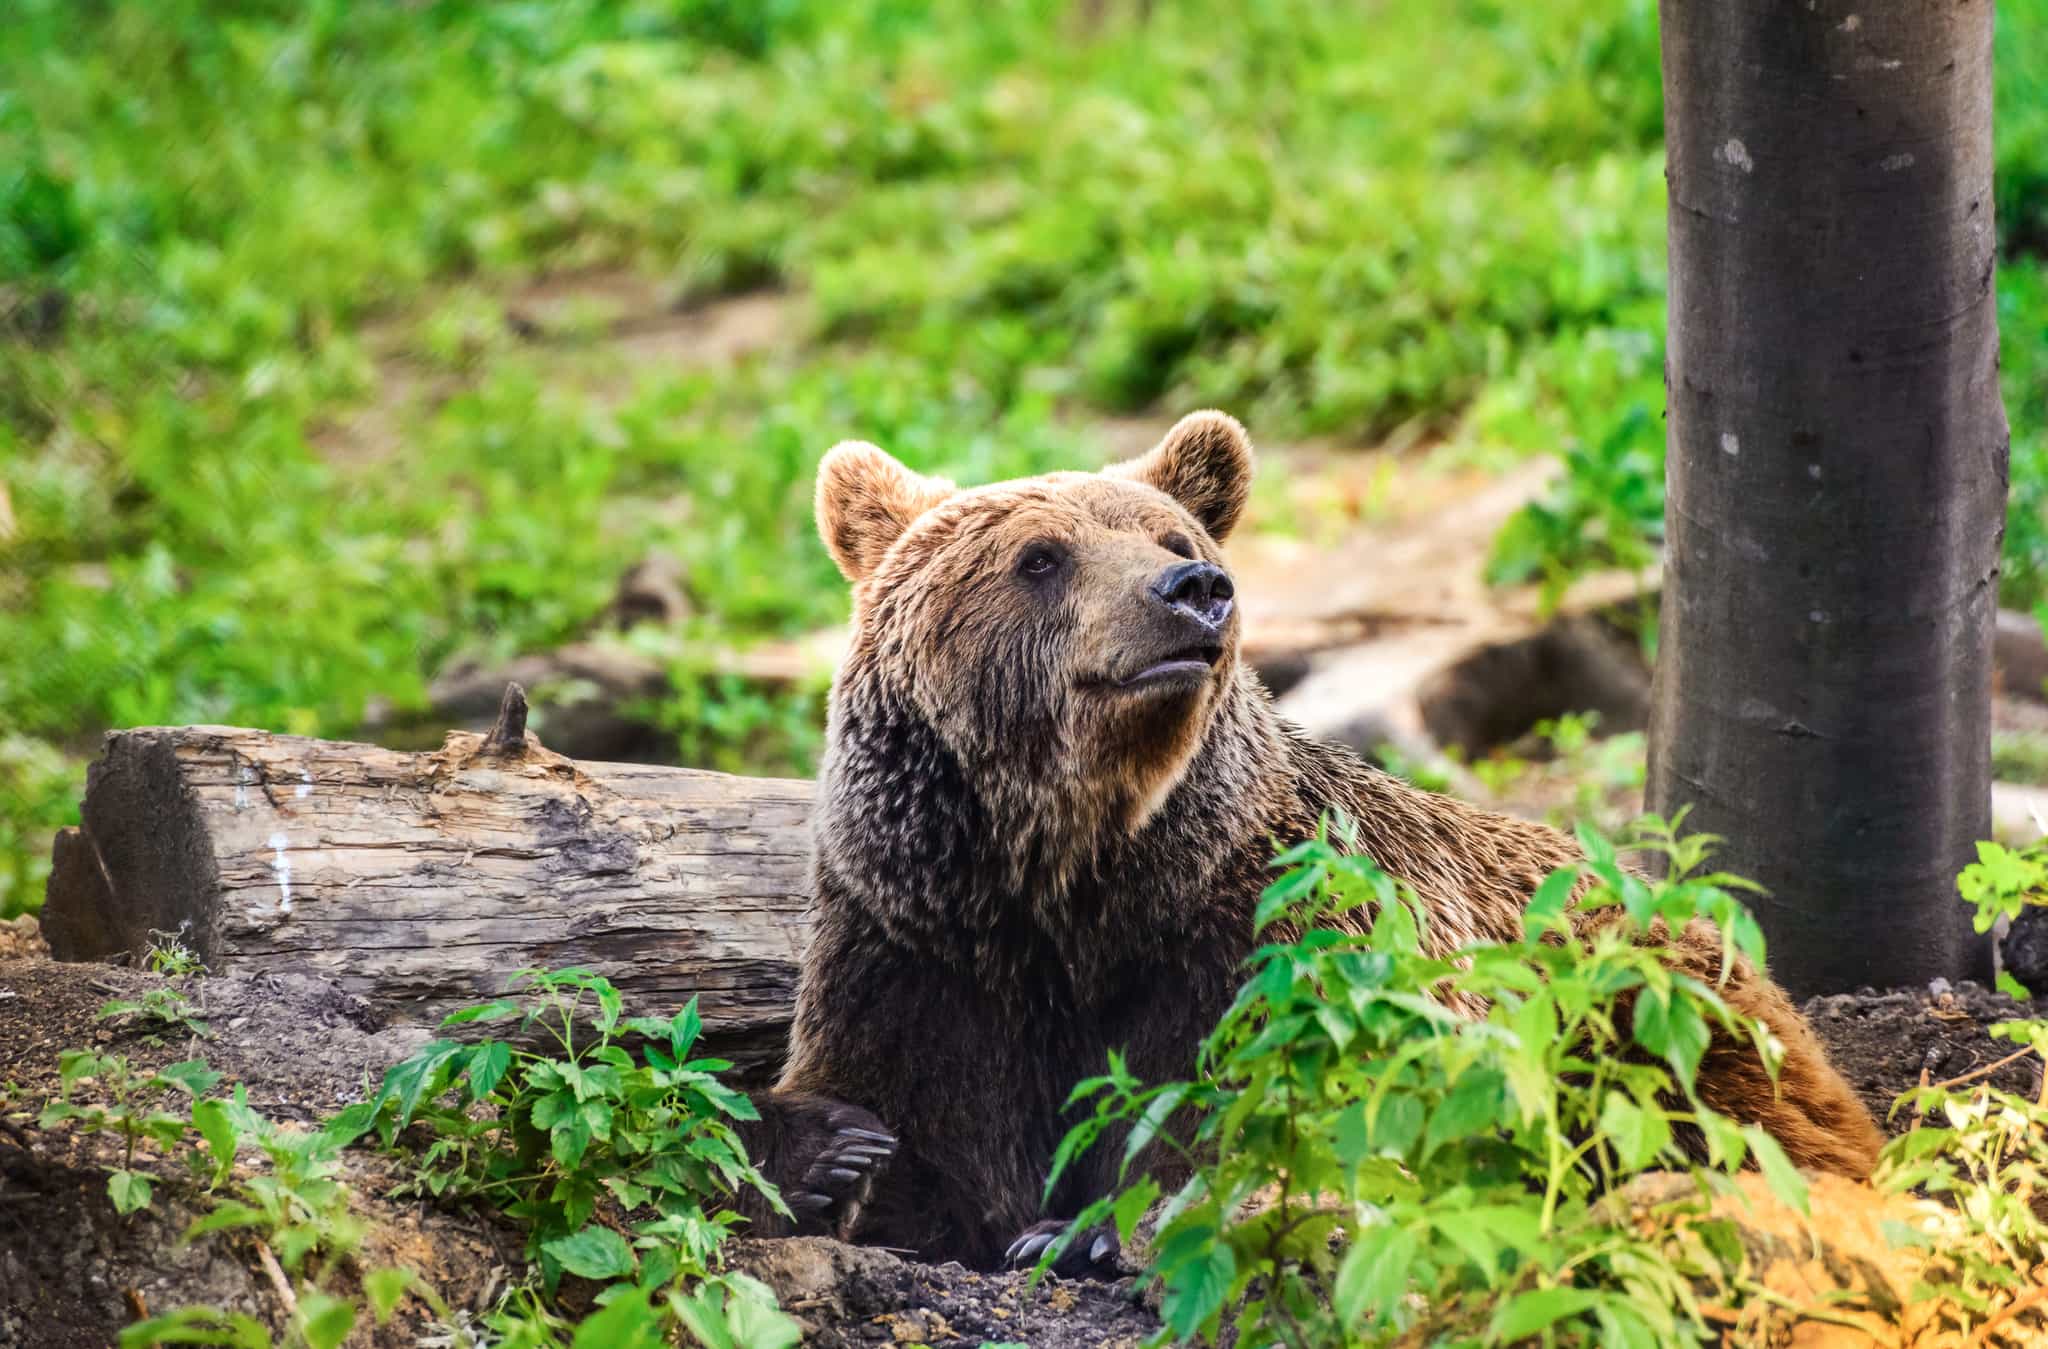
{"type": "Point", "coordinates": [420, 882]}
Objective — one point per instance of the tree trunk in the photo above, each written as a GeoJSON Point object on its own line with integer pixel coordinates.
{"type": "Point", "coordinates": [1837, 470]}
{"type": "Point", "coordinates": [420, 882]}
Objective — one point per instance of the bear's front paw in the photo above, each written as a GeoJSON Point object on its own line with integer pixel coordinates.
{"type": "Point", "coordinates": [1094, 1251]}
{"type": "Point", "coordinates": [853, 1148]}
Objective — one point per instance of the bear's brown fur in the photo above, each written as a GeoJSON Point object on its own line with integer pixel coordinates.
{"type": "Point", "coordinates": [1025, 858]}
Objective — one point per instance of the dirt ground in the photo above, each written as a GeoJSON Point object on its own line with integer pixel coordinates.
{"type": "Point", "coordinates": [72, 1271]}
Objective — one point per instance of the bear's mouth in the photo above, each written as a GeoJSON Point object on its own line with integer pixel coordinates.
{"type": "Point", "coordinates": [1184, 665]}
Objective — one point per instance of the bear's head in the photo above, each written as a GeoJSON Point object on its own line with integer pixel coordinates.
{"type": "Point", "coordinates": [1067, 638]}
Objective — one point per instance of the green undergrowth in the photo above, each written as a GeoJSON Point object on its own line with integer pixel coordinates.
{"type": "Point", "coordinates": [233, 234]}
{"type": "Point", "coordinates": [1368, 1168]}
{"type": "Point", "coordinates": [619, 1166]}
{"type": "Point", "coordinates": [1598, 397]}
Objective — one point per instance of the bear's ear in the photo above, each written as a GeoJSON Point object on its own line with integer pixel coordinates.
{"type": "Point", "coordinates": [865, 502]}
{"type": "Point", "coordinates": [1205, 463]}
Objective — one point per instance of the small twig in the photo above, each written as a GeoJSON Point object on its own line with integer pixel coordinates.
{"type": "Point", "coordinates": [277, 1279]}
{"type": "Point", "coordinates": [508, 736]}
{"type": "Point", "coordinates": [1975, 1073]}
{"type": "Point", "coordinates": [1982, 1335]}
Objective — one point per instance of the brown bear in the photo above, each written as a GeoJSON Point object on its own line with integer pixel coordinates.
{"type": "Point", "coordinates": [1048, 804]}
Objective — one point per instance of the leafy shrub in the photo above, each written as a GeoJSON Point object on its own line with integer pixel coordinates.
{"type": "Point", "coordinates": [38, 793]}
{"type": "Point", "coordinates": [549, 1137]}
{"type": "Point", "coordinates": [2000, 883]}
{"type": "Point", "coordinates": [1606, 511]}
{"type": "Point", "coordinates": [157, 1010]}
{"type": "Point", "coordinates": [134, 1110]}
{"type": "Point", "coordinates": [1372, 1168]}
{"type": "Point", "coordinates": [1988, 1163]}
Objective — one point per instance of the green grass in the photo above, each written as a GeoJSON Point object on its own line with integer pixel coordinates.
{"type": "Point", "coordinates": [216, 218]}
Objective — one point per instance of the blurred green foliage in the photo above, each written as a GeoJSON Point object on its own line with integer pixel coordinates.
{"type": "Point", "coordinates": [229, 227]}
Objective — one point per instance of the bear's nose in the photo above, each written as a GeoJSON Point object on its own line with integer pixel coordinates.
{"type": "Point", "coordinates": [1202, 590]}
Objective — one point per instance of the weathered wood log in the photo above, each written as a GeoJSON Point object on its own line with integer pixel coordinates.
{"type": "Point", "coordinates": [421, 881]}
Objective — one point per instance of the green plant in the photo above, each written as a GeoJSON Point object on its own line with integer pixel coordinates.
{"type": "Point", "coordinates": [301, 1205]}
{"type": "Point", "coordinates": [38, 793]}
{"type": "Point", "coordinates": [1500, 771]}
{"type": "Point", "coordinates": [1606, 511]}
{"type": "Point", "coordinates": [2000, 883]}
{"type": "Point", "coordinates": [169, 956]}
{"type": "Point", "coordinates": [158, 1009]}
{"type": "Point", "coordinates": [549, 1137]}
{"type": "Point", "coordinates": [1989, 1164]}
{"type": "Point", "coordinates": [133, 1111]}
{"type": "Point", "coordinates": [1369, 1167]}
{"type": "Point", "coordinates": [1987, 1158]}
{"type": "Point", "coordinates": [1599, 769]}
{"type": "Point", "coordinates": [269, 344]}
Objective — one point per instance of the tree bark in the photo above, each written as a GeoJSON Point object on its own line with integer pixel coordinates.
{"type": "Point", "coordinates": [1837, 470]}
{"type": "Point", "coordinates": [420, 882]}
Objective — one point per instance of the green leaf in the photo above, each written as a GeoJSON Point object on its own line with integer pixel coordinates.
{"type": "Point", "coordinates": [191, 1076]}
{"type": "Point", "coordinates": [568, 1141]}
{"type": "Point", "coordinates": [504, 1009]}
{"type": "Point", "coordinates": [703, 1314]}
{"type": "Point", "coordinates": [229, 1213]}
{"type": "Point", "coordinates": [421, 1077]}
{"type": "Point", "coordinates": [1197, 1288]}
{"type": "Point", "coordinates": [1130, 1206]}
{"type": "Point", "coordinates": [74, 1065]}
{"type": "Point", "coordinates": [1546, 911]}
{"type": "Point", "coordinates": [554, 1108]}
{"type": "Point", "coordinates": [351, 1123]}
{"type": "Point", "coordinates": [1350, 1139]}
{"type": "Point", "coordinates": [1474, 1105]}
{"type": "Point", "coordinates": [684, 1030]}
{"type": "Point", "coordinates": [593, 1253]}
{"type": "Point", "coordinates": [1725, 1145]}
{"type": "Point", "coordinates": [608, 1006]}
{"type": "Point", "coordinates": [1483, 1233]}
{"type": "Point", "coordinates": [1779, 1173]}
{"type": "Point", "coordinates": [1157, 1111]}
{"type": "Point", "coordinates": [1526, 1313]}
{"type": "Point", "coordinates": [1639, 1136]}
{"type": "Point", "coordinates": [486, 1067]}
{"type": "Point", "coordinates": [197, 1325]}
{"type": "Point", "coordinates": [325, 1320]}
{"type": "Point", "coordinates": [1374, 1274]}
{"type": "Point", "coordinates": [1918, 1143]}
{"type": "Point", "coordinates": [385, 1288]}
{"type": "Point", "coordinates": [1398, 1125]}
{"type": "Point", "coordinates": [2012, 988]}
{"type": "Point", "coordinates": [757, 1323]}
{"type": "Point", "coordinates": [1669, 1025]}
{"type": "Point", "coordinates": [211, 1119]}
{"type": "Point", "coordinates": [130, 1190]}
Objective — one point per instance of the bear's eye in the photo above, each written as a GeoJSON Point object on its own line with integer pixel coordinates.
{"type": "Point", "coordinates": [1177, 543]}
{"type": "Point", "coordinates": [1039, 560]}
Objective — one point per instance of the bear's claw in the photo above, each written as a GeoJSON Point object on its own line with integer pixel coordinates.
{"type": "Point", "coordinates": [839, 1179]}
{"type": "Point", "coordinates": [1092, 1252]}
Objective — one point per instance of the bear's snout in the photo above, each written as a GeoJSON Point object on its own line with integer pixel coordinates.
{"type": "Point", "coordinates": [1198, 590]}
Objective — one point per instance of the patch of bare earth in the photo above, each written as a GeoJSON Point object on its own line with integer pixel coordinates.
{"type": "Point", "coordinates": [600, 332]}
